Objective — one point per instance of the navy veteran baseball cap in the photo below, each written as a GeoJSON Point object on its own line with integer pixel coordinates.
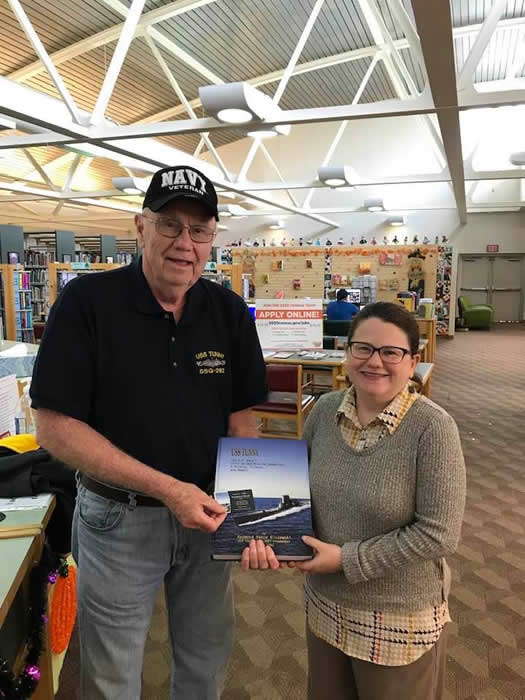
{"type": "Point", "coordinates": [177, 182]}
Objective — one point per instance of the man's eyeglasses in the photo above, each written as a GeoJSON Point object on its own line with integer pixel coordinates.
{"type": "Point", "coordinates": [173, 229]}
{"type": "Point", "coordinates": [388, 353]}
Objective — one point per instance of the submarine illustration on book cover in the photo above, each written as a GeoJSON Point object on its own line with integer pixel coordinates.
{"type": "Point", "coordinates": [264, 485]}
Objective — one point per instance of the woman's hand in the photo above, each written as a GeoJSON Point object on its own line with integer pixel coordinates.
{"type": "Point", "coordinates": [258, 556]}
{"type": "Point", "coordinates": [327, 559]}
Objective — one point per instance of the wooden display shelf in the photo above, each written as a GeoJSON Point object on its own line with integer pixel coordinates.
{"type": "Point", "coordinates": [428, 330]}
{"type": "Point", "coordinates": [55, 268]}
{"type": "Point", "coordinates": [10, 311]}
{"type": "Point", "coordinates": [235, 272]}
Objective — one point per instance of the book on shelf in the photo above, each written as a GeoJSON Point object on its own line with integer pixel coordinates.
{"type": "Point", "coordinates": [265, 488]}
{"type": "Point", "coordinates": [23, 306]}
{"type": "Point", "coordinates": [38, 258]}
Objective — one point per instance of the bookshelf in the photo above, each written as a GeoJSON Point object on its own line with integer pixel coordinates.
{"type": "Point", "coordinates": [61, 273]}
{"type": "Point", "coordinates": [16, 303]}
{"type": "Point", "coordinates": [232, 273]}
{"type": "Point", "coordinates": [36, 262]}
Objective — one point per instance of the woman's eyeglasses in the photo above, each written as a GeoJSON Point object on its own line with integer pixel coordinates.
{"type": "Point", "coordinates": [173, 229]}
{"type": "Point", "coordinates": [388, 353]}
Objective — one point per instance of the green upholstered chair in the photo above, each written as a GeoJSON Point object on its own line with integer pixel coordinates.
{"type": "Point", "coordinates": [475, 315]}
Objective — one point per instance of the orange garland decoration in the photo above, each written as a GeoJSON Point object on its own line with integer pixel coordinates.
{"type": "Point", "coordinates": [63, 611]}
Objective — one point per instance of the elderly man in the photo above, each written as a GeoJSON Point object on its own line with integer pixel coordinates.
{"type": "Point", "coordinates": [140, 371]}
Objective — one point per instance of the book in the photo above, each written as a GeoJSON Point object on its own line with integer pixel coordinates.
{"type": "Point", "coordinates": [265, 488]}
{"type": "Point", "coordinates": [283, 355]}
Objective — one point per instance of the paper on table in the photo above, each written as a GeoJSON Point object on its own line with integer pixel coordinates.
{"type": "Point", "coordinates": [25, 503]}
{"type": "Point", "coordinates": [8, 405]}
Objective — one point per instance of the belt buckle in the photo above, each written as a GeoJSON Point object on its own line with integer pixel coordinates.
{"type": "Point", "coordinates": [132, 498]}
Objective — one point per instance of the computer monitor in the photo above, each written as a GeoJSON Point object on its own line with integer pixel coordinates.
{"type": "Point", "coordinates": [354, 296]}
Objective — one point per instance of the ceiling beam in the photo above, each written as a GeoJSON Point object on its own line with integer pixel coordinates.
{"type": "Point", "coordinates": [336, 59]}
{"type": "Point", "coordinates": [38, 169]}
{"type": "Point", "coordinates": [182, 97]}
{"type": "Point", "coordinates": [287, 74]}
{"type": "Point", "coordinates": [480, 44]}
{"type": "Point", "coordinates": [434, 25]}
{"type": "Point", "coordinates": [41, 52]}
{"type": "Point", "coordinates": [168, 43]}
{"type": "Point", "coordinates": [172, 9]}
{"type": "Point", "coordinates": [402, 81]}
{"type": "Point", "coordinates": [342, 127]}
{"type": "Point", "coordinates": [129, 29]}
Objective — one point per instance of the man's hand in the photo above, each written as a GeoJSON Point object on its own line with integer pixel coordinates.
{"type": "Point", "coordinates": [328, 558]}
{"type": "Point", "coordinates": [194, 508]}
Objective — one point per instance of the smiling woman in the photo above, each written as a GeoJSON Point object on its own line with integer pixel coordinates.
{"type": "Point", "coordinates": [387, 482]}
{"type": "Point", "coordinates": [383, 342]}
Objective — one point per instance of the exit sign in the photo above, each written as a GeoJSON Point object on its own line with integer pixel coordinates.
{"type": "Point", "coordinates": [492, 248]}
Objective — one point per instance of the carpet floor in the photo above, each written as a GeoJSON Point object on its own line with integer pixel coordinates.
{"type": "Point", "coordinates": [479, 378]}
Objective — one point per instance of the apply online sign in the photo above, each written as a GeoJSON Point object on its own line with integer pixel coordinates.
{"type": "Point", "coordinates": [289, 324]}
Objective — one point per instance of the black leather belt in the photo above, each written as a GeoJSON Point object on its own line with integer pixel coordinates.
{"type": "Point", "coordinates": [119, 495]}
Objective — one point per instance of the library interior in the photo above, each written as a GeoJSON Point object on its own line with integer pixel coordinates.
{"type": "Point", "coordinates": [347, 181]}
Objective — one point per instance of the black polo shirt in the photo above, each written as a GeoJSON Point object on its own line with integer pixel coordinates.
{"type": "Point", "coordinates": [161, 391]}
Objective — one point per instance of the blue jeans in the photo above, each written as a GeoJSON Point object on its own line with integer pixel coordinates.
{"type": "Point", "coordinates": [123, 554]}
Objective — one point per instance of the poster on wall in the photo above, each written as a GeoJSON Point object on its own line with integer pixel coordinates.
{"type": "Point", "coordinates": [443, 290]}
{"type": "Point", "coordinates": [289, 324]}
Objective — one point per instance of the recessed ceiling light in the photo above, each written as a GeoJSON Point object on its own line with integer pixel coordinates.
{"type": "Point", "coordinates": [234, 116]}
{"type": "Point", "coordinates": [262, 133]}
{"type": "Point", "coordinates": [518, 158]}
{"type": "Point", "coordinates": [374, 205]}
{"type": "Point", "coordinates": [397, 221]}
{"type": "Point", "coordinates": [336, 175]}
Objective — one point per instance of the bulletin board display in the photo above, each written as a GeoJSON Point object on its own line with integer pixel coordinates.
{"type": "Point", "coordinates": [397, 269]}
{"type": "Point", "coordinates": [300, 272]}
{"type": "Point", "coordinates": [293, 273]}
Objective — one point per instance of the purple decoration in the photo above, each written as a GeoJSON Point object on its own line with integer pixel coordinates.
{"type": "Point", "coordinates": [45, 619]}
{"type": "Point", "coordinates": [33, 672]}
{"type": "Point", "coordinates": [52, 577]}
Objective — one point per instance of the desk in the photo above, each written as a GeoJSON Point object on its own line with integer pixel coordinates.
{"type": "Point", "coordinates": [336, 364]}
{"type": "Point", "coordinates": [18, 556]}
{"type": "Point", "coordinates": [428, 329]}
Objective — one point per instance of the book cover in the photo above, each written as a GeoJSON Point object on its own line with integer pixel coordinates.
{"type": "Point", "coordinates": [265, 487]}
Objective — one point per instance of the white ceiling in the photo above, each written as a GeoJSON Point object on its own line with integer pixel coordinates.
{"type": "Point", "coordinates": [409, 78]}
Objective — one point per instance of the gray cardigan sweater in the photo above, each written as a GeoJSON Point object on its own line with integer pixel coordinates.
{"type": "Point", "coordinates": [395, 508]}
